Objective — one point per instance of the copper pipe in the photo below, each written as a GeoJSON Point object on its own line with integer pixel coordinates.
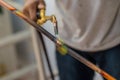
{"type": "Point", "coordinates": [57, 41]}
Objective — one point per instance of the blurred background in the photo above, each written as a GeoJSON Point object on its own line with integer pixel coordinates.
{"type": "Point", "coordinates": [21, 53]}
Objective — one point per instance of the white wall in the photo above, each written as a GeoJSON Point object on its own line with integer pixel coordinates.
{"type": "Point", "coordinates": [49, 27]}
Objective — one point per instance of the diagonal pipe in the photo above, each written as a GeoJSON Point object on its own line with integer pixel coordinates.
{"type": "Point", "coordinates": [57, 41]}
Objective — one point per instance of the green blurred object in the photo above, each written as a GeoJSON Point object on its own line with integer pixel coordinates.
{"type": "Point", "coordinates": [63, 50]}
{"type": "Point", "coordinates": [0, 9]}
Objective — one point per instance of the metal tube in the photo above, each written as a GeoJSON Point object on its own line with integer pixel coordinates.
{"type": "Point", "coordinates": [46, 55]}
{"type": "Point", "coordinates": [57, 41]}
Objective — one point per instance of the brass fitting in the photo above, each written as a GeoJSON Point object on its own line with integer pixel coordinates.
{"type": "Point", "coordinates": [44, 18]}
